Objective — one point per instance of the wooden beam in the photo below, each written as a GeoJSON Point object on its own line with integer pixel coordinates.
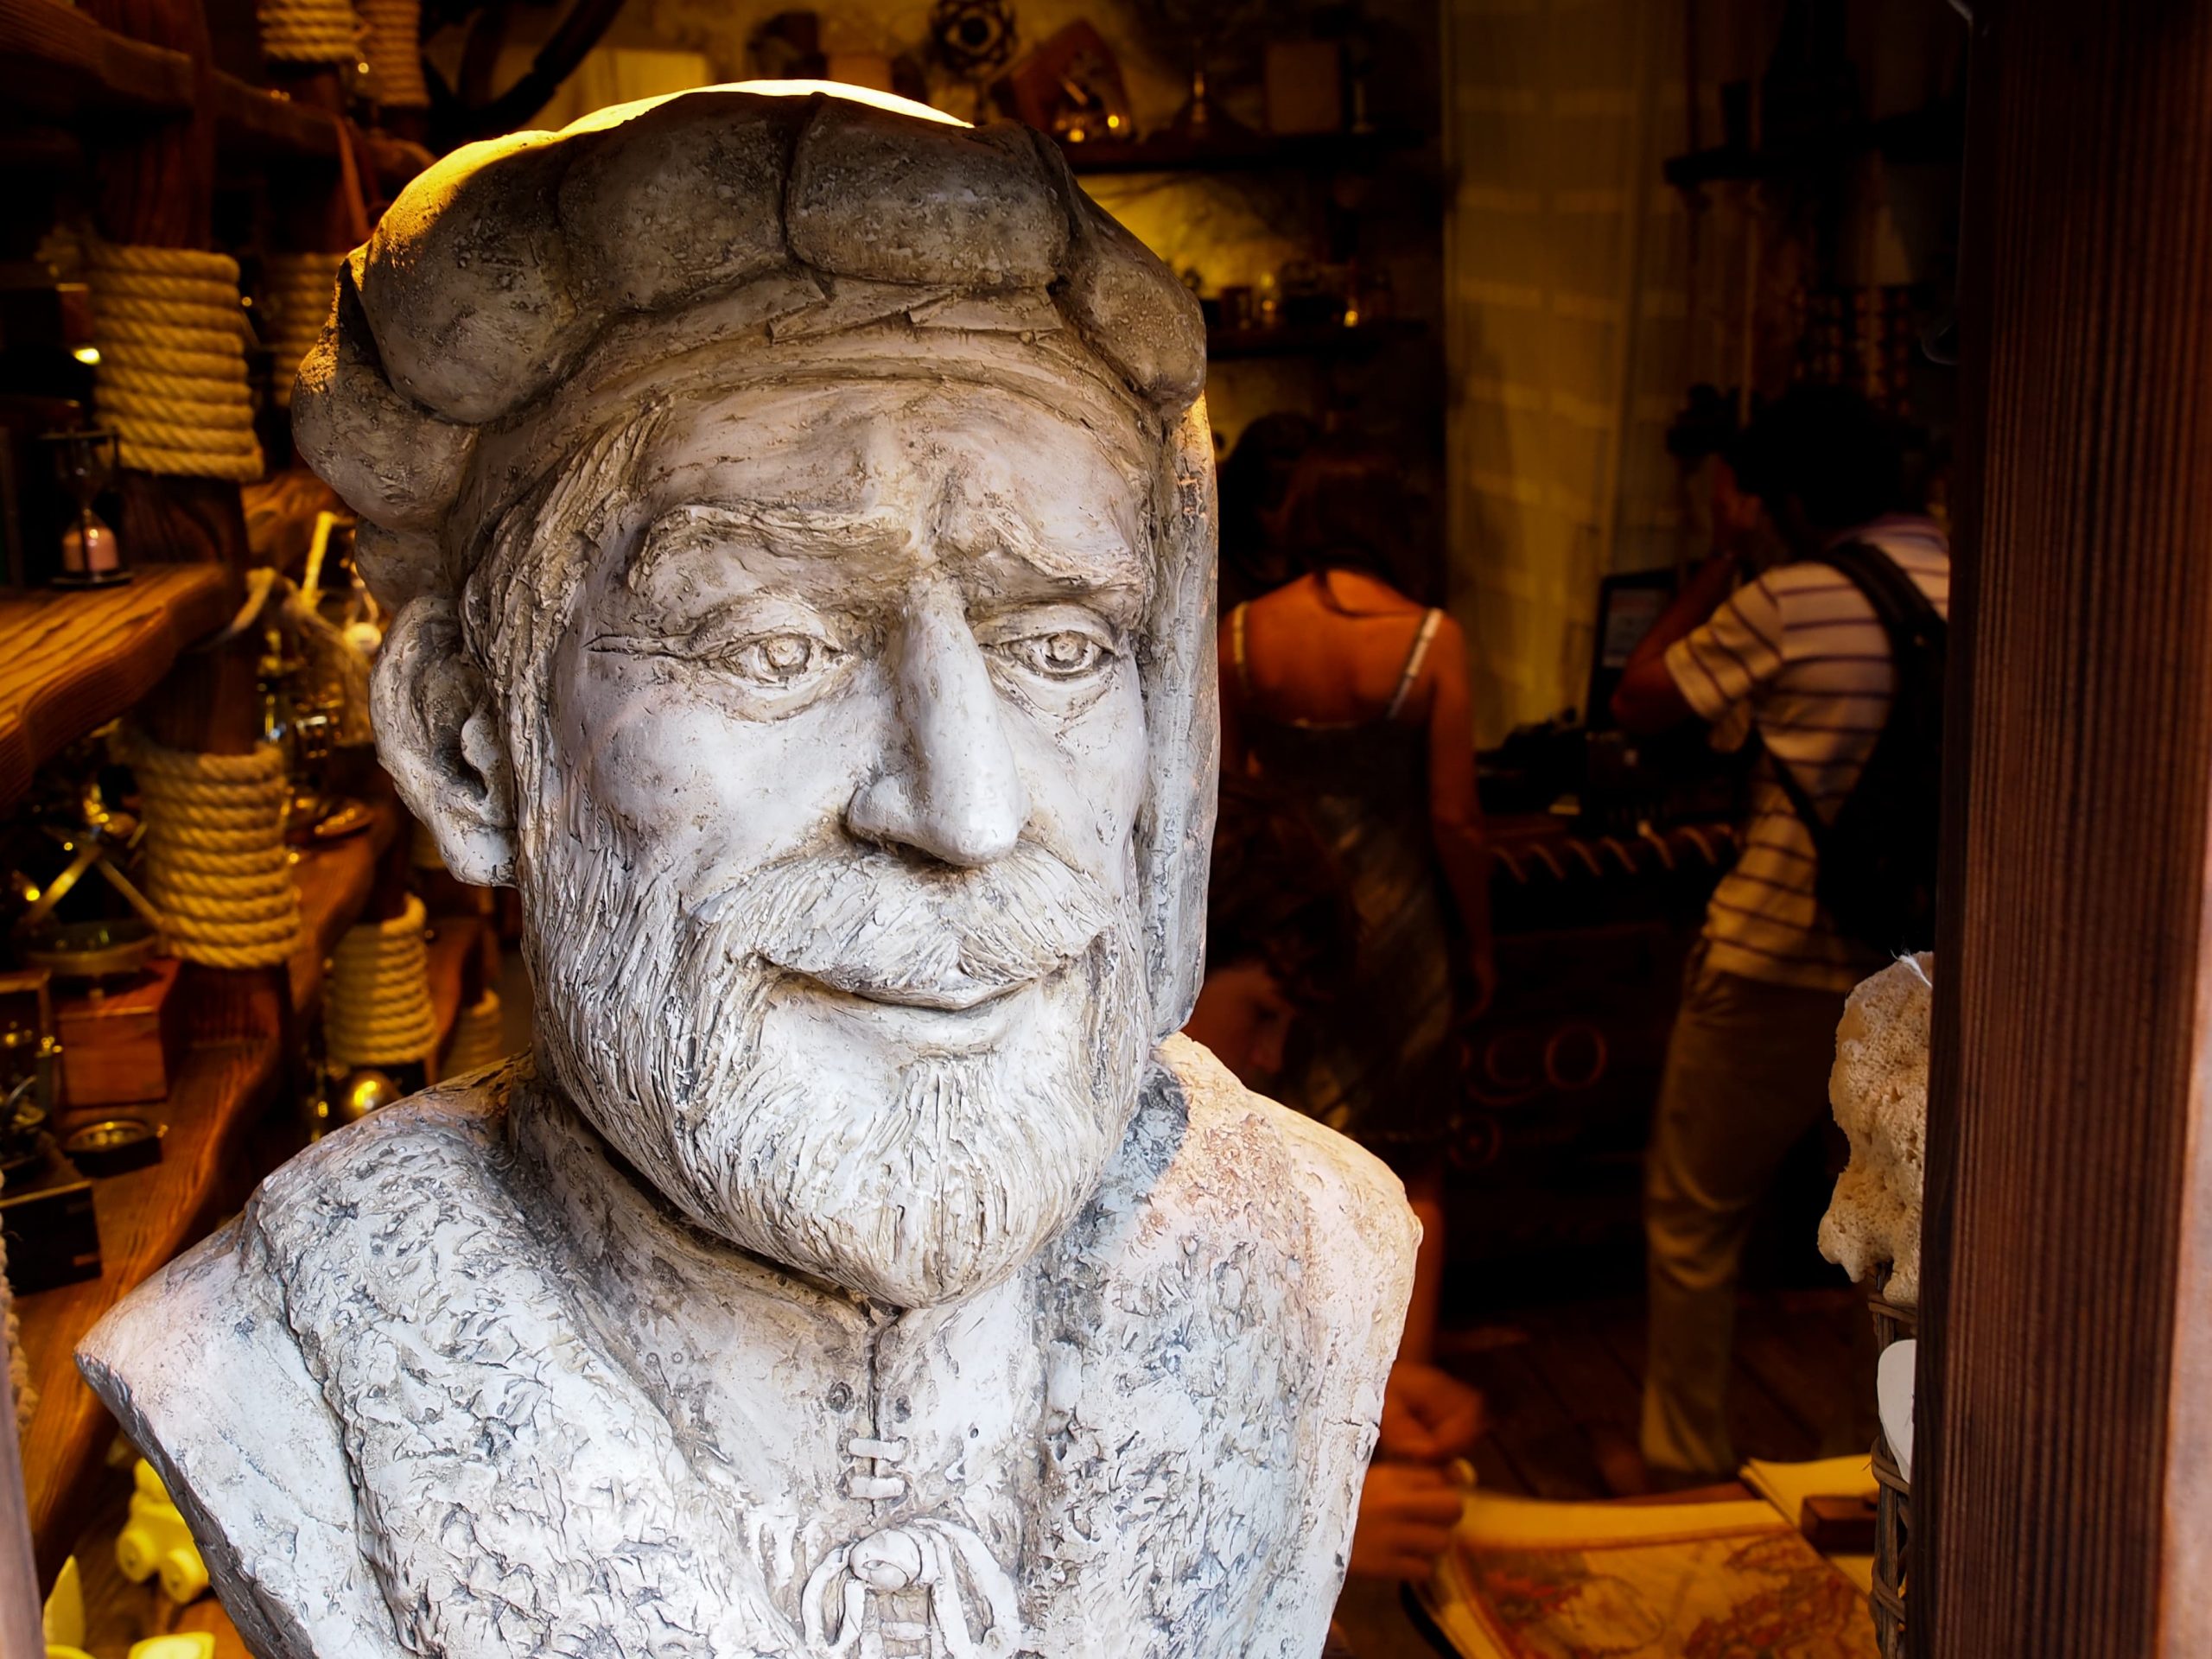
{"type": "Point", "coordinates": [2063, 1472]}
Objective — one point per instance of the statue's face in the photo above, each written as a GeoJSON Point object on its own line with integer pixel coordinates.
{"type": "Point", "coordinates": [827, 850]}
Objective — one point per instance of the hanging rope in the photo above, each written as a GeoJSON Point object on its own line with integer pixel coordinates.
{"type": "Point", "coordinates": [171, 377]}
{"type": "Point", "coordinates": [394, 28]}
{"type": "Point", "coordinates": [217, 867]}
{"type": "Point", "coordinates": [309, 31]}
{"type": "Point", "coordinates": [298, 287]}
{"type": "Point", "coordinates": [479, 1039]}
{"type": "Point", "coordinates": [380, 1011]}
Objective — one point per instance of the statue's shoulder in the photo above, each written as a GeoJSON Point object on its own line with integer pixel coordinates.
{"type": "Point", "coordinates": [202, 1366]}
{"type": "Point", "coordinates": [1236, 1151]}
{"type": "Point", "coordinates": [1233, 1298]}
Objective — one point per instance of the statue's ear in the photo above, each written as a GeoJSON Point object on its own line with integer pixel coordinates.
{"type": "Point", "coordinates": [439, 736]}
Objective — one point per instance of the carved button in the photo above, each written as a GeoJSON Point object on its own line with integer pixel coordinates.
{"type": "Point", "coordinates": [840, 1396]}
{"type": "Point", "coordinates": [889, 1561]}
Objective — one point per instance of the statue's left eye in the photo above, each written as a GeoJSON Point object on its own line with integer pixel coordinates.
{"type": "Point", "coordinates": [1066, 654]}
{"type": "Point", "coordinates": [780, 659]}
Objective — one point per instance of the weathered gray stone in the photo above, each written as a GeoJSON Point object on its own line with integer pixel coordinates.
{"type": "Point", "coordinates": [876, 195]}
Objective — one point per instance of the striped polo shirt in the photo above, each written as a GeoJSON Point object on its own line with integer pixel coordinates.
{"type": "Point", "coordinates": [1800, 655]}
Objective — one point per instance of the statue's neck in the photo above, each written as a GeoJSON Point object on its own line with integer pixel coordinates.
{"type": "Point", "coordinates": [797, 1385]}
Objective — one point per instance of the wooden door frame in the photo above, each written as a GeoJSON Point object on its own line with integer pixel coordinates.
{"type": "Point", "coordinates": [2063, 1467]}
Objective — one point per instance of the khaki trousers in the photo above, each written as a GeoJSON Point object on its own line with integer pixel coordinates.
{"type": "Point", "coordinates": [1747, 1072]}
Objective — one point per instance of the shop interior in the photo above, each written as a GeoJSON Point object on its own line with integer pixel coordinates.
{"type": "Point", "coordinates": [1500, 304]}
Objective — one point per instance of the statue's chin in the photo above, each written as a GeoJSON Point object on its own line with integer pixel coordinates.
{"type": "Point", "coordinates": [907, 1206]}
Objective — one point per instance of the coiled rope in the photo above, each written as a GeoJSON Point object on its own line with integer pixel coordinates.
{"type": "Point", "coordinates": [479, 1037]}
{"type": "Point", "coordinates": [217, 867]}
{"type": "Point", "coordinates": [299, 288]}
{"type": "Point", "coordinates": [395, 29]}
{"type": "Point", "coordinates": [171, 377]}
{"type": "Point", "coordinates": [309, 31]}
{"type": "Point", "coordinates": [380, 1012]}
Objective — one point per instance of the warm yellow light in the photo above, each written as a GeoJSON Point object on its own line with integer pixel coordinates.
{"type": "Point", "coordinates": [30, 895]}
{"type": "Point", "coordinates": [1351, 316]}
{"type": "Point", "coordinates": [87, 353]}
{"type": "Point", "coordinates": [1113, 123]}
{"type": "Point", "coordinates": [868, 95]}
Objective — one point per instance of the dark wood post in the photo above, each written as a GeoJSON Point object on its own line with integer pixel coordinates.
{"type": "Point", "coordinates": [2063, 1474]}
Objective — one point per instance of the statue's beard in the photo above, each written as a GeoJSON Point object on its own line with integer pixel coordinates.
{"type": "Point", "coordinates": [700, 1038]}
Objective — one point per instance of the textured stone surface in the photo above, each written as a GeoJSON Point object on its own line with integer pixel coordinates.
{"type": "Point", "coordinates": [441, 1410]}
{"type": "Point", "coordinates": [873, 196]}
{"type": "Point", "coordinates": [859, 1266]}
{"type": "Point", "coordinates": [1879, 1092]}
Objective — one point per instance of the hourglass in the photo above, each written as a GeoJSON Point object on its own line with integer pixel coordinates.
{"type": "Point", "coordinates": [83, 463]}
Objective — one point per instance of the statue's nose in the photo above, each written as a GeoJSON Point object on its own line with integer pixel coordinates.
{"type": "Point", "coordinates": [955, 793]}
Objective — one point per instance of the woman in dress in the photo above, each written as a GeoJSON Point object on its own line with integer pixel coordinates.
{"type": "Point", "coordinates": [1341, 689]}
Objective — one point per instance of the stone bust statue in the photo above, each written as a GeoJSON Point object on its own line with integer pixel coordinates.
{"type": "Point", "coordinates": [800, 518]}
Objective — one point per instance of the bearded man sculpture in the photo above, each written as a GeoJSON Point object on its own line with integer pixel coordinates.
{"type": "Point", "coordinates": [800, 518]}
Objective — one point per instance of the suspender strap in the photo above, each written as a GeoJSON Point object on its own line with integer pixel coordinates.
{"type": "Point", "coordinates": [1429, 622]}
{"type": "Point", "coordinates": [1236, 650]}
{"type": "Point", "coordinates": [1908, 620]}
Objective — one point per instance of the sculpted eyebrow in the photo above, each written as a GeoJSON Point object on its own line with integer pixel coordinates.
{"type": "Point", "coordinates": [1105, 562]}
{"type": "Point", "coordinates": [809, 532]}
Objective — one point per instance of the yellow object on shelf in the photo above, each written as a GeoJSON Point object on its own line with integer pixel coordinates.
{"type": "Point", "coordinates": [178, 1644]}
{"type": "Point", "coordinates": [154, 1539]}
{"type": "Point", "coordinates": [64, 1617]}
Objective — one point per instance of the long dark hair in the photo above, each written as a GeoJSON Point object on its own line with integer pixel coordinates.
{"type": "Point", "coordinates": [1348, 508]}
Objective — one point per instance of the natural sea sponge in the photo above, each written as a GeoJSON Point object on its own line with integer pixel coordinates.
{"type": "Point", "coordinates": [1878, 1090]}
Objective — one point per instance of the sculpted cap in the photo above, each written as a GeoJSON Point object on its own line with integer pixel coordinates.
{"type": "Point", "coordinates": [497, 271]}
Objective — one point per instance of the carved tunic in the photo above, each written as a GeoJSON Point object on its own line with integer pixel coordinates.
{"type": "Point", "coordinates": [453, 1384]}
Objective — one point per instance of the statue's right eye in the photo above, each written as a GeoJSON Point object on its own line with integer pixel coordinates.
{"type": "Point", "coordinates": [781, 659]}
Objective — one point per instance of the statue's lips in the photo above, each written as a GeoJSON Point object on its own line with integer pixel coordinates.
{"type": "Point", "coordinates": [966, 1017]}
{"type": "Point", "coordinates": [964, 997]}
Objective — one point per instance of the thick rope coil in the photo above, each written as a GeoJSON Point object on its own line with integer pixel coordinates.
{"type": "Point", "coordinates": [395, 30]}
{"type": "Point", "coordinates": [309, 31]}
{"type": "Point", "coordinates": [171, 377]}
{"type": "Point", "coordinates": [300, 287]}
{"type": "Point", "coordinates": [216, 864]}
{"type": "Point", "coordinates": [379, 1011]}
{"type": "Point", "coordinates": [479, 1037]}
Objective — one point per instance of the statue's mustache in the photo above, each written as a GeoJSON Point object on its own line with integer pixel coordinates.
{"type": "Point", "coordinates": [866, 921]}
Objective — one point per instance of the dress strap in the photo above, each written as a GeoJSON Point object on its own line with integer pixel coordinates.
{"type": "Point", "coordinates": [1429, 622]}
{"type": "Point", "coordinates": [1237, 649]}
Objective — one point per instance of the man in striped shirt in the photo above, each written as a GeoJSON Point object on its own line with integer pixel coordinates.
{"type": "Point", "coordinates": [1796, 659]}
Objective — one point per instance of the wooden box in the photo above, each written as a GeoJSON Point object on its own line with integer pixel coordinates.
{"type": "Point", "coordinates": [120, 1047]}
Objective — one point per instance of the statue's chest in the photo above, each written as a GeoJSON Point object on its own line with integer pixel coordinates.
{"type": "Point", "coordinates": [1094, 1464]}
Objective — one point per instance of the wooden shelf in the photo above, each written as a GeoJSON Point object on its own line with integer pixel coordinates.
{"type": "Point", "coordinates": [72, 659]}
{"type": "Point", "coordinates": [265, 125]}
{"type": "Point", "coordinates": [1316, 339]}
{"type": "Point", "coordinates": [1242, 151]}
{"type": "Point", "coordinates": [55, 60]}
{"type": "Point", "coordinates": [225, 1085]}
{"type": "Point", "coordinates": [223, 1093]}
